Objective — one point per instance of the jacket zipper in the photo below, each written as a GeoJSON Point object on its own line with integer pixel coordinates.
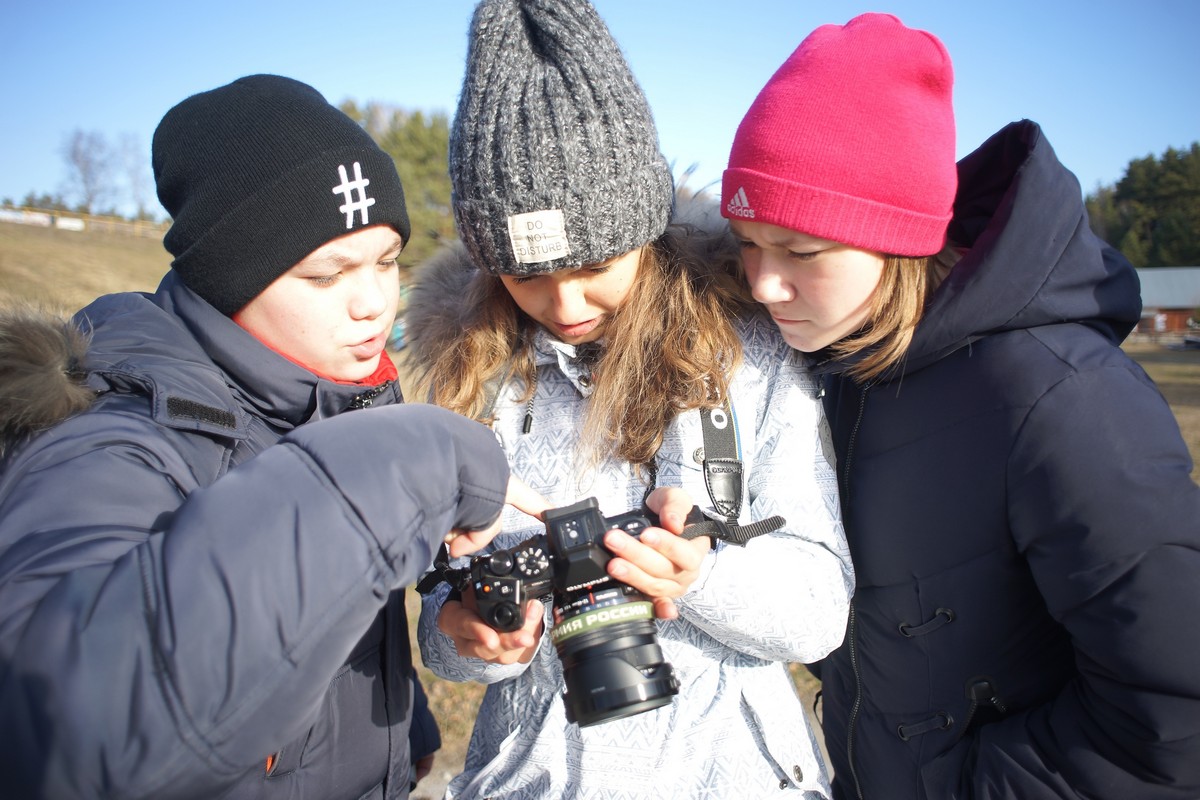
{"type": "Point", "coordinates": [851, 627]}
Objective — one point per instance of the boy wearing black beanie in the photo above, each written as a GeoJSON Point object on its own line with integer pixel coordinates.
{"type": "Point", "coordinates": [202, 557]}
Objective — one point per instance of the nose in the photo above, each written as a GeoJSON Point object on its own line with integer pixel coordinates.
{"type": "Point", "coordinates": [567, 300]}
{"type": "Point", "coordinates": [370, 296]}
{"type": "Point", "coordinates": [768, 280]}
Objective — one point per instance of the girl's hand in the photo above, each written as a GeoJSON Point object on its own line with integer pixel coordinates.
{"type": "Point", "coordinates": [474, 638]}
{"type": "Point", "coordinates": [659, 564]}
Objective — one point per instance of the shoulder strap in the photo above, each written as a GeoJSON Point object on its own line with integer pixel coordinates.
{"type": "Point", "coordinates": [722, 462]}
{"type": "Point", "coordinates": [723, 474]}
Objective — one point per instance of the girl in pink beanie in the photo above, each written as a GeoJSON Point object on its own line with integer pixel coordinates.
{"type": "Point", "coordinates": [1015, 491]}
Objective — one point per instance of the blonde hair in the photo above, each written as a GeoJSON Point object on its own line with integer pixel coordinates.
{"type": "Point", "coordinates": [669, 347]}
{"type": "Point", "coordinates": [898, 304]}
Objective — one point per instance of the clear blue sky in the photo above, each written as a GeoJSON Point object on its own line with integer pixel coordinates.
{"type": "Point", "coordinates": [1109, 80]}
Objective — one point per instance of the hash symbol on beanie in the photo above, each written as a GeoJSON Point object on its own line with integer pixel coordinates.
{"type": "Point", "coordinates": [347, 187]}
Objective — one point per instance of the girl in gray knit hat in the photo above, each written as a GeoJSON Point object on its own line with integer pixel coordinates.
{"type": "Point", "coordinates": [604, 345]}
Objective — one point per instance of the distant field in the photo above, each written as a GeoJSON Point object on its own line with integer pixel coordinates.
{"type": "Point", "coordinates": [65, 270]}
{"type": "Point", "coordinates": [68, 269]}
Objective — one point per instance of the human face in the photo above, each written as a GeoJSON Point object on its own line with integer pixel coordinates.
{"type": "Point", "coordinates": [575, 304]}
{"type": "Point", "coordinates": [332, 311]}
{"type": "Point", "coordinates": [818, 291]}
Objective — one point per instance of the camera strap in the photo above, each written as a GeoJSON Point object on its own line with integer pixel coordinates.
{"type": "Point", "coordinates": [442, 571]}
{"type": "Point", "coordinates": [723, 474]}
{"type": "Point", "coordinates": [722, 462]}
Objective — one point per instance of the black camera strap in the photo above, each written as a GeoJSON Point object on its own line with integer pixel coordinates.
{"type": "Point", "coordinates": [722, 466]}
{"type": "Point", "coordinates": [442, 571]}
{"type": "Point", "coordinates": [723, 474]}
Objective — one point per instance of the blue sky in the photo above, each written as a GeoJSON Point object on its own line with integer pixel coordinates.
{"type": "Point", "coordinates": [1109, 81]}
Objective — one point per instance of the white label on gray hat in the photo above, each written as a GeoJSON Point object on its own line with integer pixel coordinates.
{"type": "Point", "coordinates": [538, 236]}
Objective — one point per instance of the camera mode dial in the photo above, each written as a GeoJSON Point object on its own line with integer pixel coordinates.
{"type": "Point", "coordinates": [532, 562]}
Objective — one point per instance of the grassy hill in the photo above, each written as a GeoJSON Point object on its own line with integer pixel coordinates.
{"type": "Point", "coordinates": [68, 269]}
{"type": "Point", "coordinates": [64, 270]}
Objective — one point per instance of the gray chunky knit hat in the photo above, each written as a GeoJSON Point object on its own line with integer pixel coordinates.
{"type": "Point", "coordinates": [554, 156]}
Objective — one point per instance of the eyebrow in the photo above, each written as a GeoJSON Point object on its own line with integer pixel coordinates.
{"type": "Point", "coordinates": [337, 259]}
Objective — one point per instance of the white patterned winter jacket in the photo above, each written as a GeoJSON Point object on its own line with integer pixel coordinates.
{"type": "Point", "coordinates": [736, 728]}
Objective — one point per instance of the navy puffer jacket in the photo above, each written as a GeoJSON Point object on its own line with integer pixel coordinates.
{"type": "Point", "coordinates": [205, 568]}
{"type": "Point", "coordinates": [1023, 526]}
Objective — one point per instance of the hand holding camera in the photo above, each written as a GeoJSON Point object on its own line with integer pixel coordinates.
{"type": "Point", "coordinates": [603, 630]}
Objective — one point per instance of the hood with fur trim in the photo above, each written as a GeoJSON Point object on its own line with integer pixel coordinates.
{"type": "Point", "coordinates": [41, 371]}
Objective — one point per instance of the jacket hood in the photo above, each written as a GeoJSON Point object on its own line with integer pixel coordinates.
{"type": "Point", "coordinates": [438, 305]}
{"type": "Point", "coordinates": [1032, 260]}
{"type": "Point", "coordinates": [42, 371]}
{"type": "Point", "coordinates": [127, 342]}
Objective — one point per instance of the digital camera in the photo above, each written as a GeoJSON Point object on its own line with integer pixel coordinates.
{"type": "Point", "coordinates": [604, 631]}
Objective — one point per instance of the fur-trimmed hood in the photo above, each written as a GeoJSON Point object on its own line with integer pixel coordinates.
{"type": "Point", "coordinates": [42, 372]}
{"type": "Point", "coordinates": [437, 303]}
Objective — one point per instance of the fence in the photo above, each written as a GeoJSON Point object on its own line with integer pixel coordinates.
{"type": "Point", "coordinates": [71, 221]}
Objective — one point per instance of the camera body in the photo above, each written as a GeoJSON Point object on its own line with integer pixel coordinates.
{"type": "Point", "coordinates": [604, 630]}
{"type": "Point", "coordinates": [569, 557]}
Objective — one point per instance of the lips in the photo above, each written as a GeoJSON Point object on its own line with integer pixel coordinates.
{"type": "Point", "coordinates": [578, 329]}
{"type": "Point", "coordinates": [785, 321]}
{"type": "Point", "coordinates": [369, 348]}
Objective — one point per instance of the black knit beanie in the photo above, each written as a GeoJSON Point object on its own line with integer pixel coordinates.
{"type": "Point", "coordinates": [554, 157]}
{"type": "Point", "coordinates": [258, 174]}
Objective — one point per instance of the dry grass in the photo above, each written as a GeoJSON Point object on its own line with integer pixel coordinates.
{"type": "Point", "coordinates": [1177, 373]}
{"type": "Point", "coordinates": [65, 270]}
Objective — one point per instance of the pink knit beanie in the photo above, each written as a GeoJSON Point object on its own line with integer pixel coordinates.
{"type": "Point", "coordinates": [852, 140]}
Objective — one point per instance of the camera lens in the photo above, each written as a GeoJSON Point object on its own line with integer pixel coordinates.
{"type": "Point", "coordinates": [613, 666]}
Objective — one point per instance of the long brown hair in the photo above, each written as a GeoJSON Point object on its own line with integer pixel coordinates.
{"type": "Point", "coordinates": [671, 346]}
{"type": "Point", "coordinates": [896, 307]}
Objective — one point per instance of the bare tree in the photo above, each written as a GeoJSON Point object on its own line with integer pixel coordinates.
{"type": "Point", "coordinates": [89, 169]}
{"type": "Point", "coordinates": [135, 165]}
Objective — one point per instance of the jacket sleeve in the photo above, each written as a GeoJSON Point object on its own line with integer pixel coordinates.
{"type": "Point", "coordinates": [1102, 506]}
{"type": "Point", "coordinates": [784, 596]}
{"type": "Point", "coordinates": [150, 647]}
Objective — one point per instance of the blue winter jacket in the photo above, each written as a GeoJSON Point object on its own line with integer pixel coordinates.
{"type": "Point", "coordinates": [205, 568]}
{"type": "Point", "coordinates": [1023, 526]}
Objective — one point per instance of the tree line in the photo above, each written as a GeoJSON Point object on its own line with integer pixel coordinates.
{"type": "Point", "coordinates": [1152, 214]}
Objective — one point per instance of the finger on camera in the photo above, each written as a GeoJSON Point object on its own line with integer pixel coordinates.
{"type": "Point", "coordinates": [648, 583]}
{"type": "Point", "coordinates": [643, 553]}
{"type": "Point", "coordinates": [523, 497]}
{"type": "Point", "coordinates": [658, 551]}
{"type": "Point", "coordinates": [665, 608]}
{"type": "Point", "coordinates": [465, 627]}
{"type": "Point", "coordinates": [672, 504]}
{"type": "Point", "coordinates": [461, 542]}
{"type": "Point", "coordinates": [529, 632]}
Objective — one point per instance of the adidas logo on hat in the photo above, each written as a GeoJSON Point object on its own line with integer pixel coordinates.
{"type": "Point", "coordinates": [739, 206]}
